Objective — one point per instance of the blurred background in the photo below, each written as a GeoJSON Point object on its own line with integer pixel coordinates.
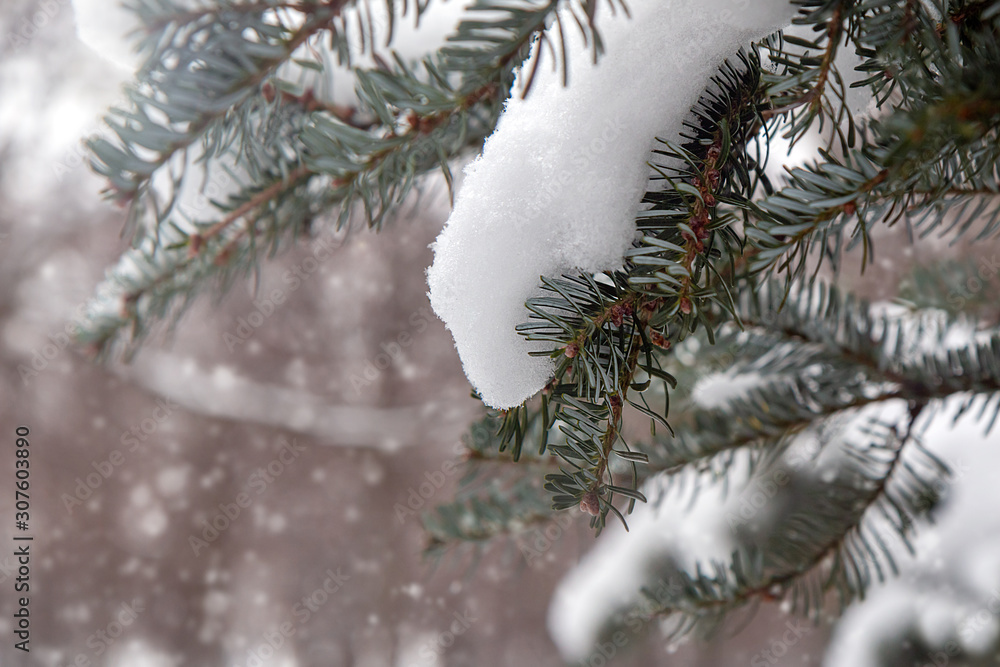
{"type": "Point", "coordinates": [286, 413]}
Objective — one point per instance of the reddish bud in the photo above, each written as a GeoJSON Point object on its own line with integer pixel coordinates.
{"type": "Point", "coordinates": [223, 257]}
{"type": "Point", "coordinates": [699, 222]}
{"type": "Point", "coordinates": [194, 244]}
{"type": "Point", "coordinates": [686, 305]}
{"type": "Point", "coordinates": [308, 99]}
{"type": "Point", "coordinates": [590, 503]}
{"type": "Point", "coordinates": [617, 316]}
{"type": "Point", "coordinates": [571, 350]}
{"type": "Point", "coordinates": [659, 340]}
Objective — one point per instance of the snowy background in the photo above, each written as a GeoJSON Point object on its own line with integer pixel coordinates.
{"type": "Point", "coordinates": [362, 448]}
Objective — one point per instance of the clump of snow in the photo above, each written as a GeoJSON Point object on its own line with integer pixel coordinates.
{"type": "Point", "coordinates": [105, 27]}
{"type": "Point", "coordinates": [659, 531]}
{"type": "Point", "coordinates": [559, 182]}
{"type": "Point", "coordinates": [688, 520]}
{"type": "Point", "coordinates": [949, 593]}
{"type": "Point", "coordinates": [718, 389]}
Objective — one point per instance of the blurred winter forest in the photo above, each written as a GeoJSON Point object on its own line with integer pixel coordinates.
{"type": "Point", "coordinates": [349, 396]}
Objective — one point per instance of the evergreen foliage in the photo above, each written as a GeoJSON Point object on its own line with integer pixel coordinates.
{"type": "Point", "coordinates": [726, 257]}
